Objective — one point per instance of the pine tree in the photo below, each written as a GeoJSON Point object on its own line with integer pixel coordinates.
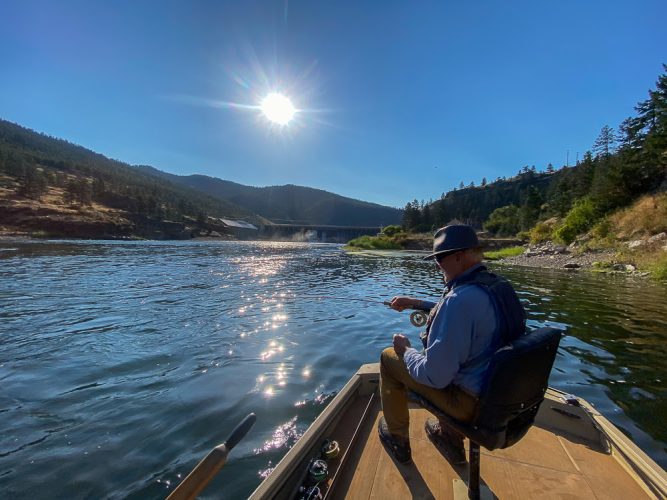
{"type": "Point", "coordinates": [411, 215]}
{"type": "Point", "coordinates": [71, 191]}
{"type": "Point", "coordinates": [32, 182]}
{"type": "Point", "coordinates": [84, 192]}
{"type": "Point", "coordinates": [605, 144]}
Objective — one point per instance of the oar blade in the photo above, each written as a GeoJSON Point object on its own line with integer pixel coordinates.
{"type": "Point", "coordinates": [240, 431]}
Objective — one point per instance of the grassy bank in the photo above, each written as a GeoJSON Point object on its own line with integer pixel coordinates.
{"type": "Point", "coordinates": [503, 253]}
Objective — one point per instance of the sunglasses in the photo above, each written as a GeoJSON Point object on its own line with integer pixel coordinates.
{"type": "Point", "coordinates": [440, 257]}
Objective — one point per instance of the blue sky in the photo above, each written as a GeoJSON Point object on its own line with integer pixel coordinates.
{"type": "Point", "coordinates": [399, 100]}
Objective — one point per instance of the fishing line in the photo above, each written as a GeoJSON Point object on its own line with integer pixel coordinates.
{"type": "Point", "coordinates": [358, 299]}
{"type": "Point", "coordinates": [418, 318]}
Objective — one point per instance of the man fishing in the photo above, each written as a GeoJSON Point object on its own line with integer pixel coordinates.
{"type": "Point", "coordinates": [478, 313]}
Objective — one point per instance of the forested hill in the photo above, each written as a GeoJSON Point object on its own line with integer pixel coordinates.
{"type": "Point", "coordinates": [51, 186]}
{"type": "Point", "coordinates": [291, 204]}
{"type": "Point", "coordinates": [621, 166]}
{"type": "Point", "coordinates": [32, 163]}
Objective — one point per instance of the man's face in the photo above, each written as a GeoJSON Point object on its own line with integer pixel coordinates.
{"type": "Point", "coordinates": [450, 264]}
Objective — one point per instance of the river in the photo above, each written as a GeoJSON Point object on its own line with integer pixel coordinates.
{"type": "Point", "coordinates": [123, 363]}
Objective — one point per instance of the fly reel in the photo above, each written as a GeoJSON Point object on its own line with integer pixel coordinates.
{"type": "Point", "coordinates": [418, 318]}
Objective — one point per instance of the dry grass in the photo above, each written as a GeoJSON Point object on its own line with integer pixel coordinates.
{"type": "Point", "coordinates": [645, 217]}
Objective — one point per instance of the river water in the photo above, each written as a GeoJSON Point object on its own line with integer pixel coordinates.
{"type": "Point", "coordinates": [123, 363]}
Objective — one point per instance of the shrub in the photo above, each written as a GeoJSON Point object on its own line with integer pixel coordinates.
{"type": "Point", "coordinates": [503, 221]}
{"type": "Point", "coordinates": [523, 236]}
{"type": "Point", "coordinates": [543, 231]}
{"type": "Point", "coordinates": [392, 230]}
{"type": "Point", "coordinates": [374, 243]}
{"type": "Point", "coordinates": [579, 219]}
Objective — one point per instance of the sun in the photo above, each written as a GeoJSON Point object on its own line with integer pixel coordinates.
{"type": "Point", "coordinates": [278, 108]}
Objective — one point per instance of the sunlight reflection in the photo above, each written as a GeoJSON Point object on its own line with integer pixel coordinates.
{"type": "Point", "coordinates": [284, 436]}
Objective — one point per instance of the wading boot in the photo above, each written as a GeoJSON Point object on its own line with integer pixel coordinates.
{"type": "Point", "coordinates": [447, 441]}
{"type": "Point", "coordinates": [397, 445]}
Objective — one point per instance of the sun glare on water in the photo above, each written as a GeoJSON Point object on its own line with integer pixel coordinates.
{"type": "Point", "coordinates": [278, 108]}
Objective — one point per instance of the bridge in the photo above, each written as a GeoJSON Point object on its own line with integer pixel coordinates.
{"type": "Point", "coordinates": [320, 233]}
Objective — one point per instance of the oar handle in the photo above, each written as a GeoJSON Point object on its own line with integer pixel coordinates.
{"type": "Point", "coordinates": [206, 470]}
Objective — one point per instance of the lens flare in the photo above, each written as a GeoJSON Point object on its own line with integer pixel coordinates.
{"type": "Point", "coordinates": [278, 108]}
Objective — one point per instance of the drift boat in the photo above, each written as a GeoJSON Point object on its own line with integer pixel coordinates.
{"type": "Point", "coordinates": [570, 451]}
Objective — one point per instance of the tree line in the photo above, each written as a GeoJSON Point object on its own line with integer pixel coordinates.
{"type": "Point", "coordinates": [621, 165]}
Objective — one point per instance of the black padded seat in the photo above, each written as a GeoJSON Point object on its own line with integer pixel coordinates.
{"type": "Point", "coordinates": [517, 379]}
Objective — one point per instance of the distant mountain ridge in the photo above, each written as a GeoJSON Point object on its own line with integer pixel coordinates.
{"type": "Point", "coordinates": [35, 164]}
{"type": "Point", "coordinates": [290, 203]}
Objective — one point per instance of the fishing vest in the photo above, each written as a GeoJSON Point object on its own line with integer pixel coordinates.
{"type": "Point", "coordinates": [510, 314]}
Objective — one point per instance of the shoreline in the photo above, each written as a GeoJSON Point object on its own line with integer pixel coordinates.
{"type": "Point", "coordinates": [548, 257]}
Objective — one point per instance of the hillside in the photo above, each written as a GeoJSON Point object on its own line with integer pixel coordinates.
{"type": "Point", "coordinates": [622, 165]}
{"type": "Point", "coordinates": [49, 186]}
{"type": "Point", "coordinates": [290, 203]}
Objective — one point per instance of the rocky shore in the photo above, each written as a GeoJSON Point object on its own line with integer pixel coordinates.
{"type": "Point", "coordinates": [559, 257]}
{"type": "Point", "coordinates": [577, 256]}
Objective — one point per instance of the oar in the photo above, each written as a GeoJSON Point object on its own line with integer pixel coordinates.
{"type": "Point", "coordinates": [206, 470]}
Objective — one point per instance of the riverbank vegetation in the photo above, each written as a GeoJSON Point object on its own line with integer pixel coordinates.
{"type": "Point", "coordinates": [392, 237]}
{"type": "Point", "coordinates": [503, 253]}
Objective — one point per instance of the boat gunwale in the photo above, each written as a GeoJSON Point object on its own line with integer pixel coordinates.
{"type": "Point", "coordinates": [295, 456]}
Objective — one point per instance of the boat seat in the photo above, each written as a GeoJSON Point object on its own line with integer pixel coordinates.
{"type": "Point", "coordinates": [517, 379]}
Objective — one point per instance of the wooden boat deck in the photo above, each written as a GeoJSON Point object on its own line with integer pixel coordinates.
{"type": "Point", "coordinates": [570, 452]}
{"type": "Point", "coordinates": [544, 464]}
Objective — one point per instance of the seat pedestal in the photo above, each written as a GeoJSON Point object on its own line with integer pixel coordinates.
{"type": "Point", "coordinates": [461, 491]}
{"type": "Point", "coordinates": [472, 490]}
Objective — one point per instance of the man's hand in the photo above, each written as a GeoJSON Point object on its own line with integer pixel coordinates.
{"type": "Point", "coordinates": [401, 343]}
{"type": "Point", "coordinates": [402, 303]}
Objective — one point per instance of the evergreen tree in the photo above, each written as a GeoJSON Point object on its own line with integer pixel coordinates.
{"type": "Point", "coordinates": [530, 210]}
{"type": "Point", "coordinates": [427, 220]}
{"type": "Point", "coordinates": [32, 182]}
{"type": "Point", "coordinates": [84, 192]}
{"type": "Point", "coordinates": [99, 188]}
{"type": "Point", "coordinates": [605, 144]}
{"type": "Point", "coordinates": [411, 215]}
{"type": "Point", "coordinates": [71, 191]}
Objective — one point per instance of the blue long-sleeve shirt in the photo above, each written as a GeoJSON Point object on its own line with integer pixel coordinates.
{"type": "Point", "coordinates": [462, 329]}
